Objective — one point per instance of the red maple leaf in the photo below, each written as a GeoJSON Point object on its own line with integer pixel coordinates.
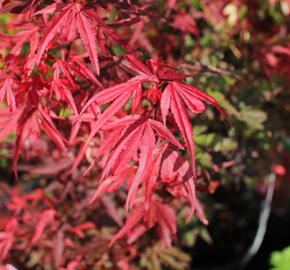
{"type": "Point", "coordinates": [72, 18]}
{"type": "Point", "coordinates": [138, 134]}
{"type": "Point", "coordinates": [158, 213]}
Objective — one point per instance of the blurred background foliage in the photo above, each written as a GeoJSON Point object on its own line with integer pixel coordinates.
{"type": "Point", "coordinates": [242, 59]}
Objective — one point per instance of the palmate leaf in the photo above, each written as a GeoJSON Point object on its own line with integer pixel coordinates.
{"type": "Point", "coordinates": [112, 183]}
{"type": "Point", "coordinates": [70, 18]}
{"type": "Point", "coordinates": [136, 120]}
{"type": "Point", "coordinates": [45, 218]}
{"type": "Point", "coordinates": [183, 122]}
{"type": "Point", "coordinates": [58, 23]}
{"type": "Point", "coordinates": [103, 118]}
{"type": "Point", "coordinates": [8, 121]}
{"type": "Point", "coordinates": [7, 238]}
{"type": "Point", "coordinates": [81, 69]}
{"type": "Point", "coordinates": [93, 15]}
{"type": "Point", "coordinates": [196, 96]}
{"type": "Point", "coordinates": [177, 96]}
{"type": "Point", "coordinates": [29, 125]}
{"type": "Point", "coordinates": [6, 242]}
{"type": "Point", "coordinates": [134, 65]}
{"type": "Point", "coordinates": [125, 146]}
{"type": "Point", "coordinates": [6, 89]}
{"type": "Point", "coordinates": [47, 125]}
{"type": "Point", "coordinates": [158, 213]}
{"type": "Point", "coordinates": [119, 94]}
{"type": "Point", "coordinates": [176, 172]}
{"type": "Point", "coordinates": [185, 23]}
{"type": "Point", "coordinates": [53, 8]}
{"type": "Point", "coordinates": [122, 158]}
{"type": "Point", "coordinates": [69, 33]}
{"type": "Point", "coordinates": [60, 86]}
{"type": "Point", "coordinates": [151, 177]}
{"type": "Point", "coordinates": [109, 94]}
{"type": "Point", "coordinates": [147, 146]}
{"type": "Point", "coordinates": [132, 220]}
{"type": "Point", "coordinates": [88, 35]}
{"type": "Point", "coordinates": [139, 133]}
{"type": "Point", "coordinates": [111, 209]}
{"type": "Point", "coordinates": [73, 18]}
{"type": "Point", "coordinates": [29, 33]}
{"type": "Point", "coordinates": [167, 222]}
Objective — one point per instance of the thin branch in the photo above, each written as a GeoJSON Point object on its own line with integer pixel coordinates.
{"type": "Point", "coordinates": [206, 68]}
{"type": "Point", "coordinates": [260, 233]}
{"type": "Point", "coordinates": [263, 221]}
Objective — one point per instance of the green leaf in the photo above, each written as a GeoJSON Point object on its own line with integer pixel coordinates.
{"type": "Point", "coordinates": [118, 50]}
{"type": "Point", "coordinates": [223, 101]}
{"type": "Point", "coordinates": [253, 117]}
{"type": "Point", "coordinates": [170, 261]}
{"type": "Point", "coordinates": [189, 238]}
{"type": "Point", "coordinates": [178, 254]}
{"type": "Point", "coordinates": [196, 4]}
{"type": "Point", "coordinates": [287, 144]}
{"type": "Point", "coordinates": [112, 16]}
{"type": "Point", "coordinates": [226, 144]}
{"type": "Point", "coordinates": [205, 139]}
{"type": "Point", "coordinates": [216, 142]}
{"type": "Point", "coordinates": [65, 112]}
{"type": "Point", "coordinates": [5, 18]}
{"type": "Point", "coordinates": [3, 161]}
{"type": "Point", "coordinates": [155, 262]}
{"type": "Point", "coordinates": [198, 129]}
{"type": "Point", "coordinates": [25, 48]}
{"type": "Point", "coordinates": [280, 260]}
{"type": "Point", "coordinates": [203, 158]}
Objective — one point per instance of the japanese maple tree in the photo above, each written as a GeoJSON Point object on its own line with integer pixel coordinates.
{"type": "Point", "coordinates": [91, 106]}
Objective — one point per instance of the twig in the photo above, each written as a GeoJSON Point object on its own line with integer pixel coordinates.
{"type": "Point", "coordinates": [206, 68]}
{"type": "Point", "coordinates": [260, 233]}
{"type": "Point", "coordinates": [263, 221]}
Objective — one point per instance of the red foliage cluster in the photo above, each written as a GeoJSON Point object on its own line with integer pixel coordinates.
{"type": "Point", "coordinates": [82, 114]}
